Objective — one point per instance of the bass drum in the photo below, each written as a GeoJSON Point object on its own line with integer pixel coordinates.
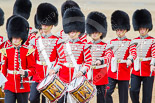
{"type": "Point", "coordinates": [1, 96]}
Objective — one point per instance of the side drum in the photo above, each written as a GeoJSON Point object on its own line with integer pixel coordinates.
{"type": "Point", "coordinates": [52, 88]}
{"type": "Point", "coordinates": [1, 96]}
{"type": "Point", "coordinates": [81, 90]}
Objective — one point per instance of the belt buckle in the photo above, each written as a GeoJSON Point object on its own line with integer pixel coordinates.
{"type": "Point", "coordinates": [71, 64]}
{"type": "Point", "coordinates": [15, 72]}
{"type": "Point", "coordinates": [93, 67]}
{"type": "Point", "coordinates": [141, 59]}
{"type": "Point", "coordinates": [118, 60]}
{"type": "Point", "coordinates": [43, 63]}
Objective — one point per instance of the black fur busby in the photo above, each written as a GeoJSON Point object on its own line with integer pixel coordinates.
{"type": "Point", "coordinates": [120, 20]}
{"type": "Point", "coordinates": [36, 24]}
{"type": "Point", "coordinates": [1, 17]}
{"type": "Point", "coordinates": [68, 4]}
{"type": "Point", "coordinates": [17, 27]}
{"type": "Point", "coordinates": [142, 19]}
{"type": "Point", "coordinates": [9, 20]}
{"type": "Point", "coordinates": [47, 14]}
{"type": "Point", "coordinates": [74, 20]}
{"type": "Point", "coordinates": [96, 22]}
{"type": "Point", "coordinates": [22, 8]}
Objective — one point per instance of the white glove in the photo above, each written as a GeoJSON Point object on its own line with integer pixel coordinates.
{"type": "Point", "coordinates": [98, 62]}
{"type": "Point", "coordinates": [128, 62]}
{"type": "Point", "coordinates": [152, 68]}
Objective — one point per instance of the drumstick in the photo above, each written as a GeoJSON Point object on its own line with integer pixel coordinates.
{"type": "Point", "coordinates": [151, 74]}
{"type": "Point", "coordinates": [76, 78]}
{"type": "Point", "coordinates": [29, 81]}
{"type": "Point", "coordinates": [46, 78]}
{"type": "Point", "coordinates": [75, 81]}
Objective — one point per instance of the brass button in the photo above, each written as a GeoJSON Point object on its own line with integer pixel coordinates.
{"type": "Point", "coordinates": [71, 64]}
{"type": "Point", "coordinates": [14, 72]}
{"type": "Point", "coordinates": [93, 67]}
{"type": "Point", "coordinates": [43, 63]}
{"type": "Point", "coordinates": [118, 61]}
{"type": "Point", "coordinates": [141, 59]}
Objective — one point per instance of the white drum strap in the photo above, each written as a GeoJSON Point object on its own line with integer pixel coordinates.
{"type": "Point", "coordinates": [136, 64]}
{"type": "Point", "coordinates": [114, 64]}
{"type": "Point", "coordinates": [69, 50]}
{"type": "Point", "coordinates": [42, 49]}
{"type": "Point", "coordinates": [3, 79]}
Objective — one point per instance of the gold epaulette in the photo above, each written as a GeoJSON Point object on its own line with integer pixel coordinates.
{"type": "Point", "coordinates": [3, 51]}
{"type": "Point", "coordinates": [31, 50]}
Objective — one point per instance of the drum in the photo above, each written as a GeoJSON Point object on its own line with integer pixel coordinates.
{"type": "Point", "coordinates": [81, 89]}
{"type": "Point", "coordinates": [1, 96]}
{"type": "Point", "coordinates": [52, 88]}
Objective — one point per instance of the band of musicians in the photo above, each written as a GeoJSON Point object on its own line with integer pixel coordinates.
{"type": "Point", "coordinates": [65, 67]}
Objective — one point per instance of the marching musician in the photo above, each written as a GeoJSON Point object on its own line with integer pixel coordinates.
{"type": "Point", "coordinates": [2, 39]}
{"type": "Point", "coordinates": [144, 68]}
{"type": "Point", "coordinates": [124, 54]}
{"type": "Point", "coordinates": [19, 63]}
{"type": "Point", "coordinates": [74, 26]}
{"type": "Point", "coordinates": [96, 27]}
{"type": "Point", "coordinates": [23, 8]}
{"type": "Point", "coordinates": [47, 18]}
{"type": "Point", "coordinates": [66, 5]}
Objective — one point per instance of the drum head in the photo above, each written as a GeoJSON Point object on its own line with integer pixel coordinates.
{"type": "Point", "coordinates": [45, 82]}
{"type": "Point", "coordinates": [75, 83]}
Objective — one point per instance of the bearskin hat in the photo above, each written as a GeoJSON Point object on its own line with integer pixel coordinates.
{"type": "Point", "coordinates": [1, 17]}
{"type": "Point", "coordinates": [73, 20]}
{"type": "Point", "coordinates": [142, 19]}
{"type": "Point", "coordinates": [68, 4]}
{"type": "Point", "coordinates": [96, 22]}
{"type": "Point", "coordinates": [22, 8]}
{"type": "Point", "coordinates": [9, 20]}
{"type": "Point", "coordinates": [17, 26]}
{"type": "Point", "coordinates": [47, 14]}
{"type": "Point", "coordinates": [120, 20]}
{"type": "Point", "coordinates": [37, 26]}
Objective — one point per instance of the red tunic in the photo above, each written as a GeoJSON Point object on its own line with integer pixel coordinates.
{"type": "Point", "coordinates": [54, 51]}
{"type": "Point", "coordinates": [100, 76]}
{"type": "Point", "coordinates": [11, 64]}
{"type": "Point", "coordinates": [31, 36]}
{"type": "Point", "coordinates": [82, 55]}
{"type": "Point", "coordinates": [2, 40]}
{"type": "Point", "coordinates": [122, 51]}
{"type": "Point", "coordinates": [145, 49]}
{"type": "Point", "coordinates": [6, 44]}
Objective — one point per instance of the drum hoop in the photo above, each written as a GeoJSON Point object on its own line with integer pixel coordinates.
{"type": "Point", "coordinates": [43, 88]}
{"type": "Point", "coordinates": [78, 85]}
{"type": "Point", "coordinates": [91, 95]}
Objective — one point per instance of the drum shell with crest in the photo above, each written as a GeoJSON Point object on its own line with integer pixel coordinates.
{"type": "Point", "coordinates": [1, 96]}
{"type": "Point", "coordinates": [81, 89]}
{"type": "Point", "coordinates": [52, 88]}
